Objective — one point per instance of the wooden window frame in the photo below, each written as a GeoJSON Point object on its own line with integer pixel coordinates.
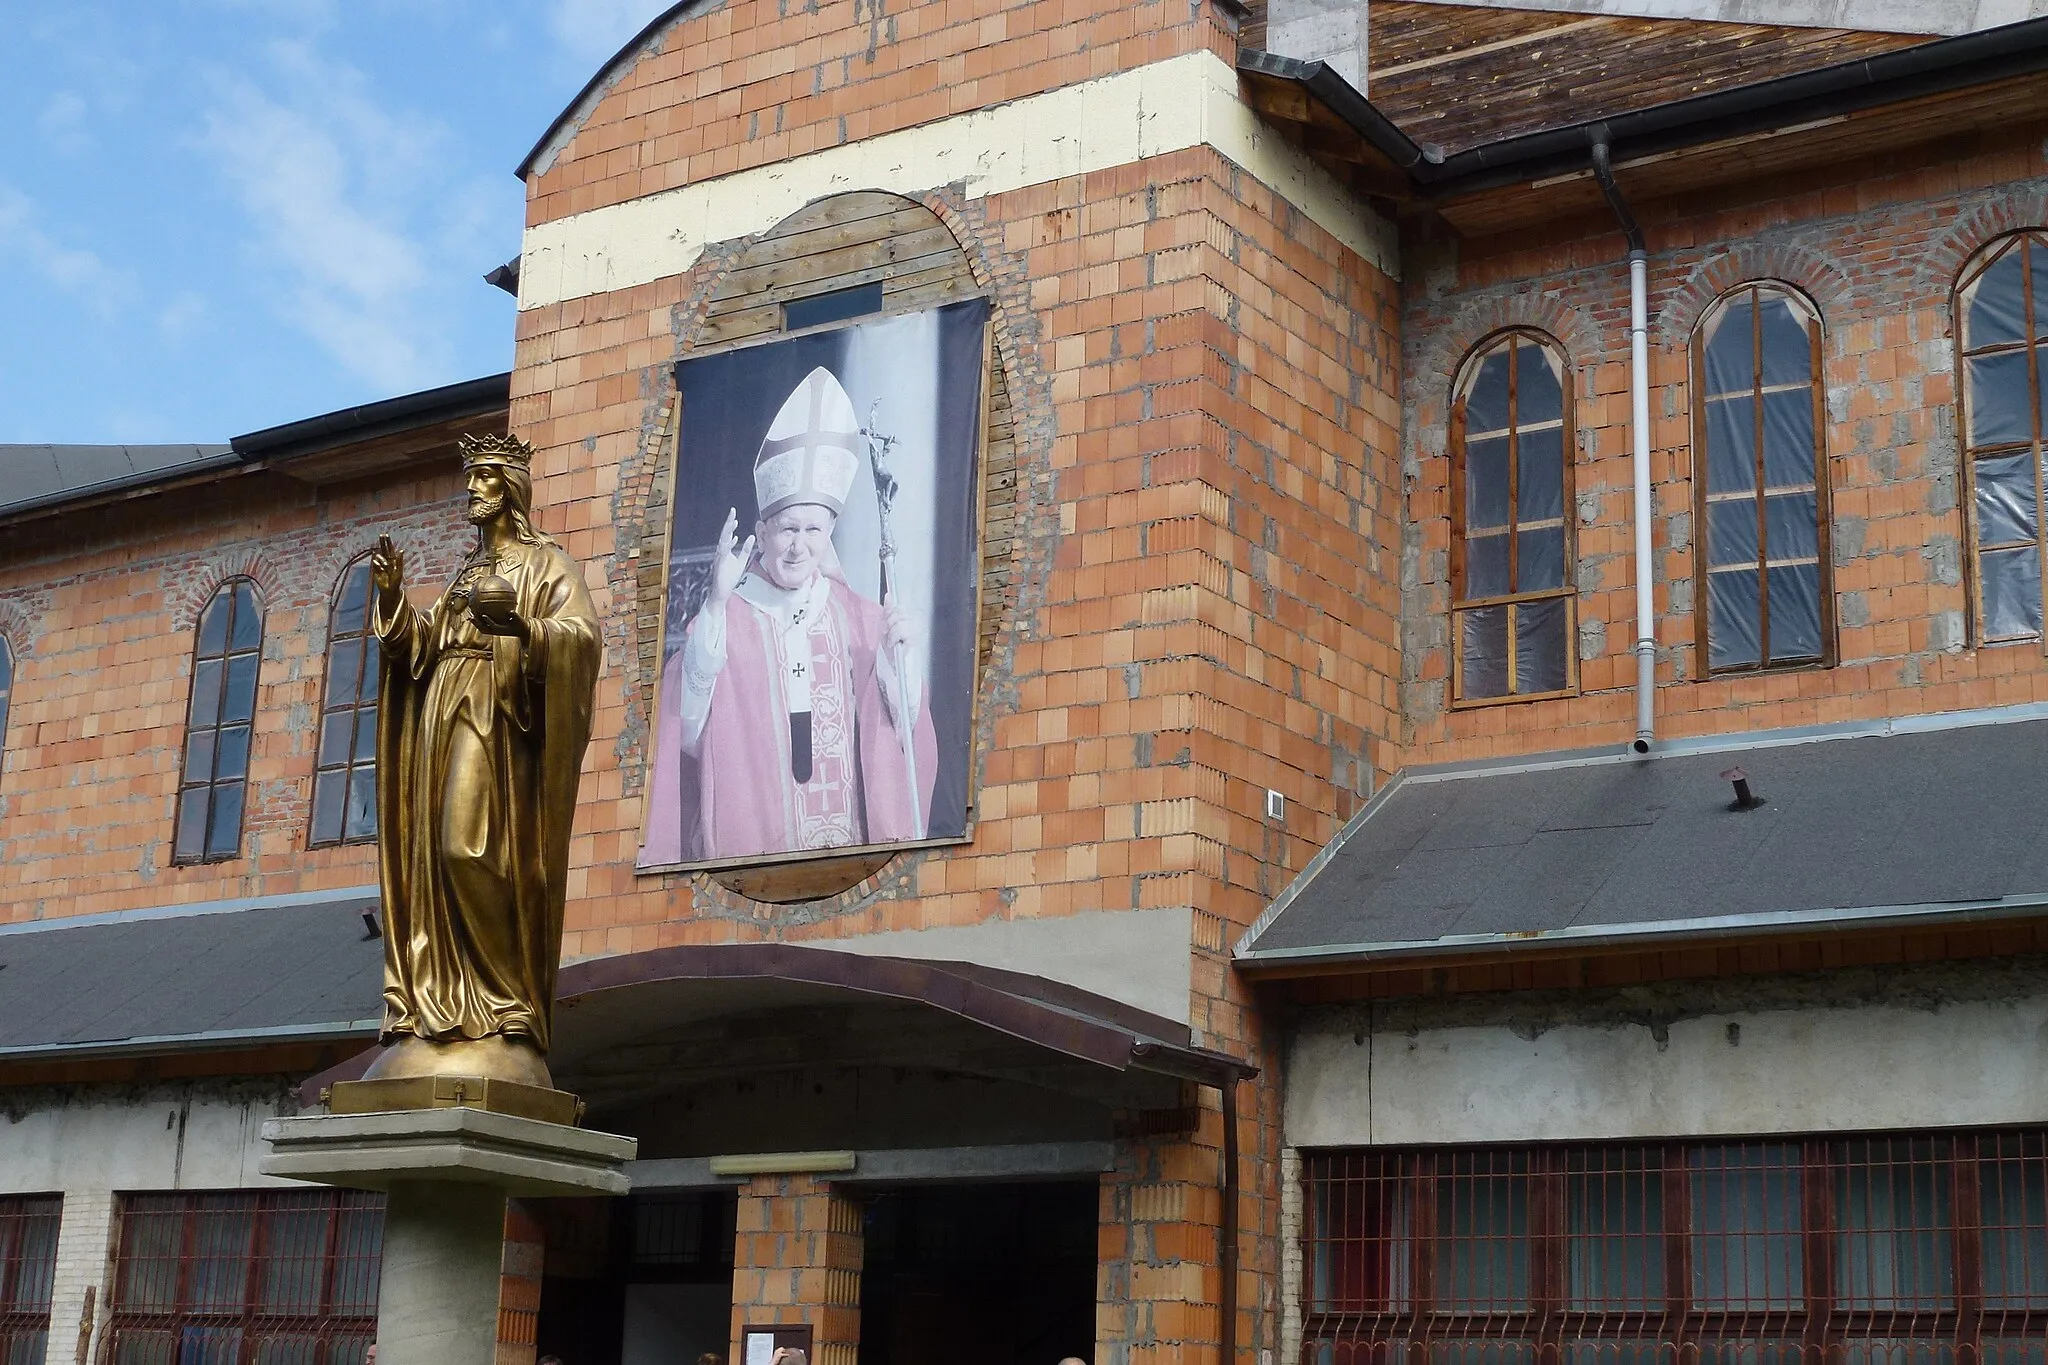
{"type": "Point", "coordinates": [214, 782]}
{"type": "Point", "coordinates": [1568, 446]}
{"type": "Point", "coordinates": [1979, 263]}
{"type": "Point", "coordinates": [344, 772]}
{"type": "Point", "coordinates": [328, 1326]}
{"type": "Point", "coordinates": [1396, 1320]}
{"type": "Point", "coordinates": [21, 1321]}
{"type": "Point", "coordinates": [1755, 290]}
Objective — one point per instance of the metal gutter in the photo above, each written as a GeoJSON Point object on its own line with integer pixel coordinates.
{"type": "Point", "coordinates": [1594, 936]}
{"type": "Point", "coordinates": [1847, 87]}
{"type": "Point", "coordinates": [331, 429]}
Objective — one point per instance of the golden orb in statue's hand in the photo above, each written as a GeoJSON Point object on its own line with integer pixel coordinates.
{"type": "Point", "coordinates": [494, 597]}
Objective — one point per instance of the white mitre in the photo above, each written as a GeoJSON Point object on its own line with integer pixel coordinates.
{"type": "Point", "coordinates": [810, 453]}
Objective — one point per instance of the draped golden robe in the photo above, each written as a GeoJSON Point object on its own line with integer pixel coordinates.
{"type": "Point", "coordinates": [479, 747]}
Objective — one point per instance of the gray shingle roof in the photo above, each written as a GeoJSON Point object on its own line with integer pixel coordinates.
{"type": "Point", "coordinates": [290, 969]}
{"type": "Point", "coordinates": [1930, 819]}
{"type": "Point", "coordinates": [35, 476]}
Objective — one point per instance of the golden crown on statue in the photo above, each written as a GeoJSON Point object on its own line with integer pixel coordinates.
{"type": "Point", "coordinates": [507, 451]}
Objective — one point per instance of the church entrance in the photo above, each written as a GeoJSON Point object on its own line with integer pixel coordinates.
{"type": "Point", "coordinates": [1000, 1274]}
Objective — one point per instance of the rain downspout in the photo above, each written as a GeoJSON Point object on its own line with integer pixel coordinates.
{"type": "Point", "coordinates": [1639, 430]}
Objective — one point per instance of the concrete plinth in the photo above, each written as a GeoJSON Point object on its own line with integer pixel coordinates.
{"type": "Point", "coordinates": [437, 1298]}
{"type": "Point", "coordinates": [445, 1174]}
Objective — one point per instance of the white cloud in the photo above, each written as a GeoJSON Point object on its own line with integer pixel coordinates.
{"type": "Point", "coordinates": [182, 316]}
{"type": "Point", "coordinates": [62, 123]}
{"type": "Point", "coordinates": [75, 270]}
{"type": "Point", "coordinates": [592, 30]}
{"type": "Point", "coordinates": [345, 207]}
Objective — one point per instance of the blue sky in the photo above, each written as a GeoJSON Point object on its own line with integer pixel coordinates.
{"type": "Point", "coordinates": [220, 215]}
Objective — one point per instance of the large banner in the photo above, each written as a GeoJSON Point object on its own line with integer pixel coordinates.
{"type": "Point", "coordinates": [818, 651]}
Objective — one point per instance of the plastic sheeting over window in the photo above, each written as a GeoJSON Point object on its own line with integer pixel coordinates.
{"type": "Point", "coordinates": [1511, 482]}
{"type": "Point", "coordinates": [218, 725]}
{"type": "Point", "coordinates": [1761, 482]}
{"type": "Point", "coordinates": [2002, 303]}
{"type": "Point", "coordinates": [345, 776]}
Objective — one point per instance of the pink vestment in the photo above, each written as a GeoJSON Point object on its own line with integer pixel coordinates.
{"type": "Point", "coordinates": [736, 797]}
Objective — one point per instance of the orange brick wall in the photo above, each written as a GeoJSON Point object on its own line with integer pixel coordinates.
{"type": "Point", "coordinates": [100, 607]}
{"type": "Point", "coordinates": [753, 82]}
{"type": "Point", "coordinates": [1876, 245]}
{"type": "Point", "coordinates": [797, 1260]}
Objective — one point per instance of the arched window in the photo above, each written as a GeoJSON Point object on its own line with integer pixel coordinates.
{"type": "Point", "coordinates": [6, 688]}
{"type": "Point", "coordinates": [1760, 483]}
{"type": "Point", "coordinates": [345, 772]}
{"type": "Point", "coordinates": [217, 725]}
{"type": "Point", "coordinates": [1511, 546]}
{"type": "Point", "coordinates": [2002, 309]}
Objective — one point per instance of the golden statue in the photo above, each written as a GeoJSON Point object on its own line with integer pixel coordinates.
{"type": "Point", "coordinates": [485, 710]}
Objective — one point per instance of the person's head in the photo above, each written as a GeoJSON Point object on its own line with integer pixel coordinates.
{"type": "Point", "coordinates": [549, 1360]}
{"type": "Point", "coordinates": [789, 1355]}
{"type": "Point", "coordinates": [1072, 1360]}
{"type": "Point", "coordinates": [711, 1358]}
{"type": "Point", "coordinates": [794, 542]}
{"type": "Point", "coordinates": [370, 1354]}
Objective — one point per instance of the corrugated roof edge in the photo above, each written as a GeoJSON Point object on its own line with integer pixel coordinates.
{"type": "Point", "coordinates": [1246, 953]}
{"type": "Point", "coordinates": [341, 1030]}
{"type": "Point", "coordinates": [1866, 82]}
{"type": "Point", "coordinates": [340, 895]}
{"type": "Point", "coordinates": [205, 459]}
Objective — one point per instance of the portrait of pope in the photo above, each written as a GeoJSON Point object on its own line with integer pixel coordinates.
{"type": "Point", "coordinates": [795, 715]}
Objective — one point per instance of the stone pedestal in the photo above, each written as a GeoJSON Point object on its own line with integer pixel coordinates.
{"type": "Point", "coordinates": [445, 1174]}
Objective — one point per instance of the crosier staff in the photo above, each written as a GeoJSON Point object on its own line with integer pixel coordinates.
{"type": "Point", "coordinates": [879, 447]}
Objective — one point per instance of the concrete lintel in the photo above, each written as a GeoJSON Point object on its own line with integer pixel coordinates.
{"type": "Point", "coordinates": [906, 1165]}
{"type": "Point", "coordinates": [376, 1151]}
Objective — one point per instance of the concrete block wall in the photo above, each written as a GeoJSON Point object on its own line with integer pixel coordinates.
{"type": "Point", "coordinates": [1876, 245]}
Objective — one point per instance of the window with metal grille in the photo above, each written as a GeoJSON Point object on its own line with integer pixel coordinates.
{"type": "Point", "coordinates": [345, 770]}
{"type": "Point", "coordinates": [1760, 482]}
{"type": "Point", "coordinates": [1511, 544]}
{"type": "Point", "coordinates": [217, 725]}
{"type": "Point", "coordinates": [28, 1269]}
{"type": "Point", "coordinates": [246, 1277]}
{"type": "Point", "coordinates": [1892, 1250]}
{"type": "Point", "coordinates": [2002, 328]}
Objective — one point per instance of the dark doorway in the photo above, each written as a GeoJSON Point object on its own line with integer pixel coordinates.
{"type": "Point", "coordinates": [645, 1280]}
{"type": "Point", "coordinates": [996, 1274]}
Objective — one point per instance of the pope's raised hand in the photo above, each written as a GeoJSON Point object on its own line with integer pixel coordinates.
{"type": "Point", "coordinates": [728, 567]}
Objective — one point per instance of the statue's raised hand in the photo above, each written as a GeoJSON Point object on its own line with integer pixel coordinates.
{"type": "Point", "coordinates": [387, 574]}
{"type": "Point", "coordinates": [727, 567]}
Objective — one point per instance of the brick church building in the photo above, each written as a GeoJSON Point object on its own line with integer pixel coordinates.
{"type": "Point", "coordinates": [1497, 695]}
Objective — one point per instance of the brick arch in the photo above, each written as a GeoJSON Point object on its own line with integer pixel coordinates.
{"type": "Point", "coordinates": [20, 621]}
{"type": "Point", "coordinates": [616, 72]}
{"type": "Point", "coordinates": [1943, 261]}
{"type": "Point", "coordinates": [1437, 362]}
{"type": "Point", "coordinates": [1825, 284]}
{"type": "Point", "coordinates": [193, 588]}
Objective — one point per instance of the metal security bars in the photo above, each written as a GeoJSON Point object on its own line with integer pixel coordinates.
{"type": "Point", "coordinates": [246, 1278]}
{"type": "Point", "coordinates": [28, 1269]}
{"type": "Point", "coordinates": [1892, 1250]}
{"type": "Point", "coordinates": [345, 770]}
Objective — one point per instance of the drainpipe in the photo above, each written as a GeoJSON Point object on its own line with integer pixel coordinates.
{"type": "Point", "coordinates": [1227, 1233]}
{"type": "Point", "coordinates": [1639, 426]}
